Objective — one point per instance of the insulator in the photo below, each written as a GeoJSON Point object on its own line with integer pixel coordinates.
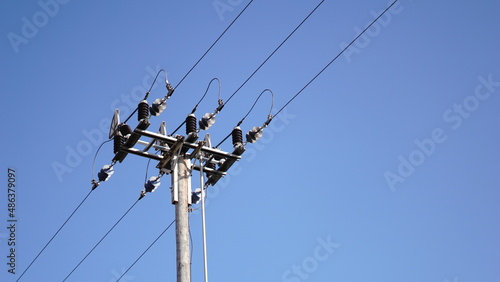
{"type": "Point", "coordinates": [190, 124]}
{"type": "Point", "coordinates": [158, 106]}
{"type": "Point", "coordinates": [237, 136]}
{"type": "Point", "coordinates": [118, 143]}
{"type": "Point", "coordinates": [210, 165]}
{"type": "Point", "coordinates": [254, 134]}
{"type": "Point", "coordinates": [105, 173]}
{"type": "Point", "coordinates": [142, 110]}
{"type": "Point", "coordinates": [152, 184]}
{"type": "Point", "coordinates": [207, 121]}
{"type": "Point", "coordinates": [125, 129]}
{"type": "Point", "coordinates": [196, 196]}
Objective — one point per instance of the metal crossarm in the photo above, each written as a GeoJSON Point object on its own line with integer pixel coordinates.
{"type": "Point", "coordinates": [132, 140]}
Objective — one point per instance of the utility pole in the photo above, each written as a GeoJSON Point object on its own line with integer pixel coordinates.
{"type": "Point", "coordinates": [181, 183]}
{"type": "Point", "coordinates": [174, 155]}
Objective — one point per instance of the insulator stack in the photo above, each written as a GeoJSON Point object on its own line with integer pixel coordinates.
{"type": "Point", "coordinates": [211, 165]}
{"type": "Point", "coordinates": [142, 110]}
{"type": "Point", "coordinates": [254, 134]}
{"type": "Point", "coordinates": [237, 135]}
{"type": "Point", "coordinates": [118, 143]}
{"type": "Point", "coordinates": [125, 129]}
{"type": "Point", "coordinates": [190, 124]}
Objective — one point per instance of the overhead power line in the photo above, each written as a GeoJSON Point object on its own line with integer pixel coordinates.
{"type": "Point", "coordinates": [145, 251]}
{"type": "Point", "coordinates": [199, 60]}
{"type": "Point", "coordinates": [278, 112]}
{"type": "Point", "coordinates": [101, 240]}
{"type": "Point", "coordinates": [55, 234]}
{"type": "Point", "coordinates": [213, 44]}
{"type": "Point", "coordinates": [70, 216]}
{"type": "Point", "coordinates": [335, 58]}
{"type": "Point", "coordinates": [275, 50]}
{"type": "Point", "coordinates": [289, 101]}
{"type": "Point", "coordinates": [262, 64]}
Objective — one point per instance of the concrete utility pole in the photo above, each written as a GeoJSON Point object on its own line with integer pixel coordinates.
{"type": "Point", "coordinates": [181, 183]}
{"type": "Point", "coordinates": [174, 157]}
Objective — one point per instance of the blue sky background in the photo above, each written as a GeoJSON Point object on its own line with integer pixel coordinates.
{"type": "Point", "coordinates": [318, 175]}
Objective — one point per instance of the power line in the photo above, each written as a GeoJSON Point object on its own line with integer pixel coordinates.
{"type": "Point", "coordinates": [147, 249]}
{"type": "Point", "coordinates": [201, 99]}
{"type": "Point", "coordinates": [149, 91]}
{"type": "Point", "coordinates": [262, 64]}
{"type": "Point", "coordinates": [296, 95]}
{"type": "Point", "coordinates": [197, 62]}
{"type": "Point", "coordinates": [101, 240]}
{"type": "Point", "coordinates": [336, 57]}
{"type": "Point", "coordinates": [57, 232]}
{"type": "Point", "coordinates": [281, 109]}
{"type": "Point", "coordinates": [321, 71]}
{"type": "Point", "coordinates": [213, 44]}
{"type": "Point", "coordinates": [275, 50]}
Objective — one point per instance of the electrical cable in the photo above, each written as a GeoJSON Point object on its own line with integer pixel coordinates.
{"type": "Point", "coordinates": [213, 44]}
{"type": "Point", "coordinates": [336, 57]}
{"type": "Point", "coordinates": [149, 91]}
{"type": "Point", "coordinates": [71, 215]}
{"type": "Point", "coordinates": [254, 103]}
{"type": "Point", "coordinates": [95, 156]}
{"type": "Point", "coordinates": [57, 232]}
{"type": "Point", "coordinates": [205, 94]}
{"type": "Point", "coordinates": [101, 240]}
{"type": "Point", "coordinates": [147, 249]}
{"type": "Point", "coordinates": [201, 99]}
{"type": "Point", "coordinates": [191, 250]}
{"type": "Point", "coordinates": [147, 170]}
{"type": "Point", "coordinates": [321, 71]}
{"type": "Point", "coordinates": [199, 60]}
{"type": "Point", "coordinates": [264, 62]}
{"type": "Point", "coordinates": [281, 109]}
{"type": "Point", "coordinates": [275, 50]}
{"type": "Point", "coordinates": [269, 116]}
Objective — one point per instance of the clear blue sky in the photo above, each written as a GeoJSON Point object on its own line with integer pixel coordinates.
{"type": "Point", "coordinates": [384, 169]}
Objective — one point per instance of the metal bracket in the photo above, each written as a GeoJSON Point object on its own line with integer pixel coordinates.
{"type": "Point", "coordinates": [169, 155]}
